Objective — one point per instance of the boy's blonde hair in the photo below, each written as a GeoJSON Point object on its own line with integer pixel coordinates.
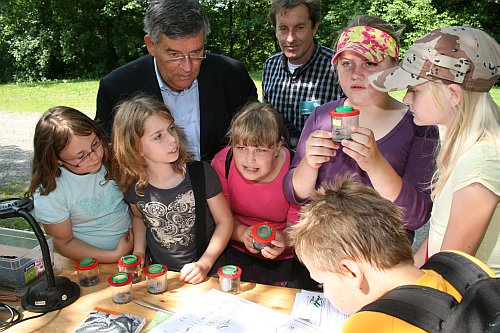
{"type": "Point", "coordinates": [477, 117]}
{"type": "Point", "coordinates": [53, 133]}
{"type": "Point", "coordinates": [256, 124]}
{"type": "Point", "coordinates": [349, 220]}
{"type": "Point", "coordinates": [128, 128]}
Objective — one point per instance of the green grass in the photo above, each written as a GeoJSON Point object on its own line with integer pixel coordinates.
{"type": "Point", "coordinates": [257, 79]}
{"type": "Point", "coordinates": [81, 95]}
{"type": "Point", "coordinates": [14, 189]}
{"type": "Point", "coordinates": [495, 94]}
{"type": "Point", "coordinates": [38, 97]}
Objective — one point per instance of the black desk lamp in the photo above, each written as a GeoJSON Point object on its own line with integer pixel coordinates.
{"type": "Point", "coordinates": [51, 294]}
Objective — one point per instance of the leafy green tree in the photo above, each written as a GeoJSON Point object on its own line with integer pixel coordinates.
{"type": "Point", "coordinates": [98, 36]}
{"type": "Point", "coordinates": [55, 39]}
{"type": "Point", "coordinates": [481, 14]}
{"type": "Point", "coordinates": [6, 60]}
{"type": "Point", "coordinates": [240, 29]}
{"type": "Point", "coordinates": [336, 14]}
{"type": "Point", "coordinates": [31, 37]}
{"type": "Point", "coordinates": [418, 17]}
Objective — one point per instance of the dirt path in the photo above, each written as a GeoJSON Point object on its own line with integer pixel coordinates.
{"type": "Point", "coordinates": [16, 145]}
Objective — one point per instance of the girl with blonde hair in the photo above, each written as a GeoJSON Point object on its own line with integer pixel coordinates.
{"type": "Point", "coordinates": [449, 73]}
{"type": "Point", "coordinates": [251, 170]}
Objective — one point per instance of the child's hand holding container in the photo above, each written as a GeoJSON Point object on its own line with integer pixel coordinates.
{"type": "Point", "coordinates": [263, 234]}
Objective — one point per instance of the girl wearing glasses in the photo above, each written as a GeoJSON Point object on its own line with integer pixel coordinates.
{"type": "Point", "coordinates": [75, 198]}
{"type": "Point", "coordinates": [152, 158]}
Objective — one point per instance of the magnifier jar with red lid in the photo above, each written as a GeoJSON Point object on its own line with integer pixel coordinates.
{"type": "Point", "coordinates": [229, 278]}
{"type": "Point", "coordinates": [156, 276]}
{"type": "Point", "coordinates": [88, 272]}
{"type": "Point", "coordinates": [121, 287]}
{"type": "Point", "coordinates": [263, 234]}
{"type": "Point", "coordinates": [131, 264]}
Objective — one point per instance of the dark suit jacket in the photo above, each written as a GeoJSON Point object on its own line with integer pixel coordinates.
{"type": "Point", "coordinates": [224, 86]}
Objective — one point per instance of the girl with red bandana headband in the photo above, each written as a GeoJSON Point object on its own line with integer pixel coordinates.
{"type": "Point", "coordinates": [387, 150]}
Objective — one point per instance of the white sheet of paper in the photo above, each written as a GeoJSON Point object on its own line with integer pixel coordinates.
{"type": "Point", "coordinates": [217, 312]}
{"type": "Point", "coordinates": [315, 308]}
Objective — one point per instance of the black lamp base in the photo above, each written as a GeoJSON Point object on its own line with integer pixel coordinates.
{"type": "Point", "coordinates": [41, 298]}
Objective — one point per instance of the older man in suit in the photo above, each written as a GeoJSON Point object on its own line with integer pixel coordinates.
{"type": "Point", "coordinates": [202, 90]}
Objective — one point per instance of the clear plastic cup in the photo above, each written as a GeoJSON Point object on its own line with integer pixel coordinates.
{"type": "Point", "coordinates": [343, 118]}
{"type": "Point", "coordinates": [156, 276]}
{"type": "Point", "coordinates": [121, 287]}
{"type": "Point", "coordinates": [131, 264]}
{"type": "Point", "coordinates": [229, 278]}
{"type": "Point", "coordinates": [88, 272]}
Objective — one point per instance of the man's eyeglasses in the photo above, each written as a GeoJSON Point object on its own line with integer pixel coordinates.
{"type": "Point", "coordinates": [93, 148]}
{"type": "Point", "coordinates": [177, 60]}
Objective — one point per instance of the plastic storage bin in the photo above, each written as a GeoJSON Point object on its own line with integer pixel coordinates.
{"type": "Point", "coordinates": [20, 259]}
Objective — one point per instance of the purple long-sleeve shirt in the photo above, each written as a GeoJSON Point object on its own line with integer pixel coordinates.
{"type": "Point", "coordinates": [408, 148]}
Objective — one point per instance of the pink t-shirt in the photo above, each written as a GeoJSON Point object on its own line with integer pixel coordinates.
{"type": "Point", "coordinates": [252, 203]}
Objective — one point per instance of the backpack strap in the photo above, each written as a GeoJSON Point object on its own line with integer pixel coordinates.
{"type": "Point", "coordinates": [197, 177]}
{"type": "Point", "coordinates": [229, 158]}
{"type": "Point", "coordinates": [423, 307]}
{"type": "Point", "coordinates": [457, 269]}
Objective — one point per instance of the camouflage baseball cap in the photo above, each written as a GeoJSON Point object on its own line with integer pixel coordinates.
{"type": "Point", "coordinates": [461, 55]}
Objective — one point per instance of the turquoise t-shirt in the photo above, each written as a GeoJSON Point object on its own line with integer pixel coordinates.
{"type": "Point", "coordinates": [98, 213]}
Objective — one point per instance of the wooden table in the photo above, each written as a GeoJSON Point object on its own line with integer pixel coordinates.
{"type": "Point", "coordinates": [68, 318]}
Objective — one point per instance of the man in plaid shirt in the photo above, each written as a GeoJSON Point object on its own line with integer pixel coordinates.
{"type": "Point", "coordinates": [300, 77]}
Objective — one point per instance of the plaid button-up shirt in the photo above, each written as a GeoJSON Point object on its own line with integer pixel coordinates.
{"type": "Point", "coordinates": [315, 80]}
